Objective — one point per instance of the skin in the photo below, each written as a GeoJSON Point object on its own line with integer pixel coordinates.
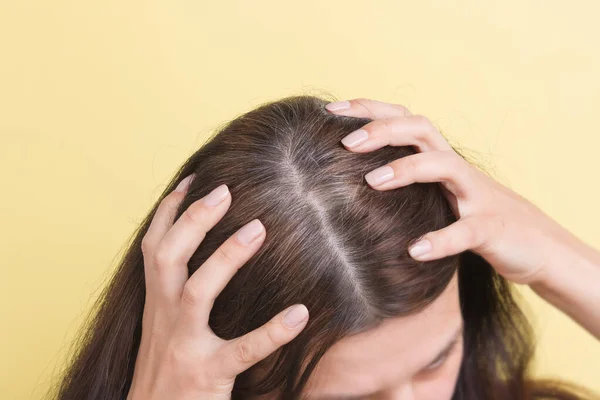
{"type": "Point", "coordinates": [181, 358]}
{"type": "Point", "coordinates": [366, 365]}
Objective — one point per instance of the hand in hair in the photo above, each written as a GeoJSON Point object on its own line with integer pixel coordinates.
{"type": "Point", "coordinates": [515, 236]}
{"type": "Point", "coordinates": [179, 356]}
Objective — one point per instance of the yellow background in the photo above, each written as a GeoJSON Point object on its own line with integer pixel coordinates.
{"type": "Point", "coordinates": [101, 101]}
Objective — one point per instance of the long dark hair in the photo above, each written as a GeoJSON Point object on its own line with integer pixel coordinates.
{"type": "Point", "coordinates": [333, 244]}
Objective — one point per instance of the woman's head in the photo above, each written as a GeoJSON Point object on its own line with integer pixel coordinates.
{"type": "Point", "coordinates": [333, 243]}
{"type": "Point", "coordinates": [409, 357]}
{"type": "Point", "coordinates": [380, 321]}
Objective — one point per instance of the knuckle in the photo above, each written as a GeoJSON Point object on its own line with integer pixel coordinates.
{"type": "Point", "coordinates": [492, 224]}
{"type": "Point", "coordinates": [196, 213]}
{"type": "Point", "coordinates": [454, 172]}
{"type": "Point", "coordinates": [244, 352]}
{"type": "Point", "coordinates": [402, 109]}
{"type": "Point", "coordinates": [362, 100]}
{"type": "Point", "coordinates": [410, 165]}
{"type": "Point", "coordinates": [472, 233]}
{"type": "Point", "coordinates": [367, 105]}
{"type": "Point", "coordinates": [455, 166]}
{"type": "Point", "coordinates": [425, 127]}
{"type": "Point", "coordinates": [192, 297]}
{"type": "Point", "coordinates": [423, 122]}
{"type": "Point", "coordinates": [273, 335]}
{"type": "Point", "coordinates": [386, 125]}
{"type": "Point", "coordinates": [162, 257]}
{"type": "Point", "coordinates": [146, 246]}
{"type": "Point", "coordinates": [170, 202]}
{"type": "Point", "coordinates": [456, 161]}
{"type": "Point", "coordinates": [227, 254]}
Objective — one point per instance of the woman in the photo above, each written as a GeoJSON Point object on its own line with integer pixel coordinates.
{"type": "Point", "coordinates": [405, 276]}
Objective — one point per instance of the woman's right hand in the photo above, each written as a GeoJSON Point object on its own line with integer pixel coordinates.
{"type": "Point", "coordinates": [180, 357]}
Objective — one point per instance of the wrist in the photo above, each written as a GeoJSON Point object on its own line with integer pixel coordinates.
{"type": "Point", "coordinates": [566, 254]}
{"type": "Point", "coordinates": [571, 282]}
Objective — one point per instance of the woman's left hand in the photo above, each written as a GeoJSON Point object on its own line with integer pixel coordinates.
{"type": "Point", "coordinates": [516, 237]}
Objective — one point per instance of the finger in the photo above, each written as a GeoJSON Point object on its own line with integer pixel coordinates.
{"type": "Point", "coordinates": [205, 284]}
{"type": "Point", "coordinates": [163, 218]}
{"type": "Point", "coordinates": [182, 240]}
{"type": "Point", "coordinates": [414, 130]}
{"type": "Point", "coordinates": [464, 234]}
{"type": "Point", "coordinates": [245, 351]}
{"type": "Point", "coordinates": [445, 167]}
{"type": "Point", "coordinates": [159, 226]}
{"type": "Point", "coordinates": [367, 108]}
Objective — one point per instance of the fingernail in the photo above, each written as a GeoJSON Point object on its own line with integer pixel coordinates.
{"type": "Point", "coordinates": [338, 105]}
{"type": "Point", "coordinates": [184, 184]}
{"type": "Point", "coordinates": [380, 175]}
{"type": "Point", "coordinates": [420, 248]}
{"type": "Point", "coordinates": [295, 316]}
{"type": "Point", "coordinates": [355, 138]}
{"type": "Point", "coordinates": [215, 197]}
{"type": "Point", "coordinates": [250, 231]}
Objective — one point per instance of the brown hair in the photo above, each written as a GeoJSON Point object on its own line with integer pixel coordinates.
{"type": "Point", "coordinates": [333, 244]}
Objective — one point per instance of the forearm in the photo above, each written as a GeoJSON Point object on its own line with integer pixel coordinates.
{"type": "Point", "coordinates": [571, 282]}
